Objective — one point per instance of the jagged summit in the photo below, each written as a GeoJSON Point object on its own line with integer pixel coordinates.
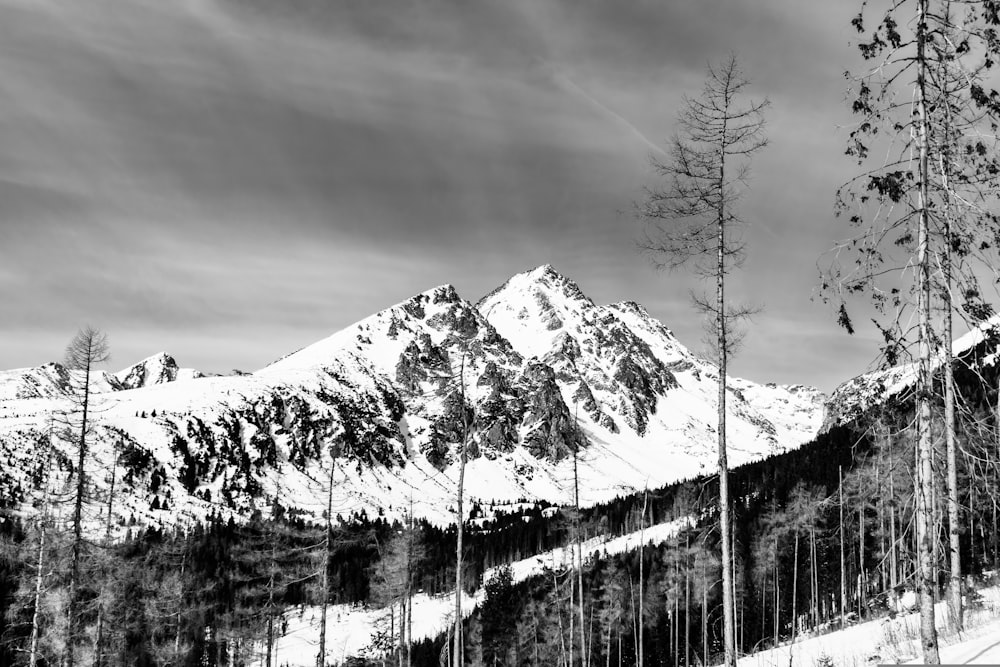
{"type": "Point", "coordinates": [159, 368]}
{"type": "Point", "coordinates": [155, 369]}
{"type": "Point", "coordinates": [381, 338]}
{"type": "Point", "coordinates": [544, 279]}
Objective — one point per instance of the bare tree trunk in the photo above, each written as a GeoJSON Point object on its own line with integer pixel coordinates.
{"type": "Point", "coordinates": [813, 580]}
{"type": "Point", "coordinates": [704, 614]}
{"type": "Point", "coordinates": [409, 589]}
{"type": "Point", "coordinates": [642, 544]}
{"type": "Point", "coordinates": [861, 558]}
{"type": "Point", "coordinates": [955, 559]}
{"type": "Point", "coordinates": [777, 600]}
{"type": "Point", "coordinates": [676, 638]}
{"type": "Point", "coordinates": [635, 634]}
{"type": "Point", "coordinates": [843, 561]}
{"type": "Point", "coordinates": [729, 629]}
{"type": "Point", "coordinates": [579, 547]}
{"type": "Point", "coordinates": [893, 547]}
{"type": "Point", "coordinates": [99, 647]}
{"type": "Point", "coordinates": [324, 573]}
{"type": "Point", "coordinates": [40, 562]}
{"type": "Point", "coordinates": [459, 652]}
{"type": "Point", "coordinates": [74, 580]}
{"type": "Point", "coordinates": [270, 620]}
{"type": "Point", "coordinates": [928, 631]}
{"type": "Point", "coordinates": [571, 611]}
{"type": "Point", "coordinates": [687, 599]}
{"type": "Point", "coordinates": [795, 591]}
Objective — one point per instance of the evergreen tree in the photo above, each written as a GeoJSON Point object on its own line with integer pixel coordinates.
{"type": "Point", "coordinates": [500, 612]}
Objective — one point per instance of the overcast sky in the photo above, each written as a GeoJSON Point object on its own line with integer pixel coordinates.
{"type": "Point", "coordinates": [229, 180]}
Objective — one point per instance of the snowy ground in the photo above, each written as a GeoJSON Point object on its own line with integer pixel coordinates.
{"type": "Point", "coordinates": [351, 628]}
{"type": "Point", "coordinates": [894, 641]}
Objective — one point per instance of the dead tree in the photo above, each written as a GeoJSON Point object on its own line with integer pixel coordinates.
{"type": "Point", "coordinates": [694, 220]}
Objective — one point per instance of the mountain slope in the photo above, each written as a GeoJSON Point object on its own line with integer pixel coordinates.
{"type": "Point", "coordinates": [973, 351]}
{"type": "Point", "coordinates": [533, 373]}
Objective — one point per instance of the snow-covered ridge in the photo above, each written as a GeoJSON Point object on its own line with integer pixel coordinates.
{"type": "Point", "coordinates": [543, 371]}
{"type": "Point", "coordinates": [52, 380]}
{"type": "Point", "coordinates": [854, 397]}
{"type": "Point", "coordinates": [156, 369]}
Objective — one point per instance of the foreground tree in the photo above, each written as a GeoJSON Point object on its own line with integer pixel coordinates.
{"type": "Point", "coordinates": [88, 348]}
{"type": "Point", "coordinates": [923, 105]}
{"type": "Point", "coordinates": [693, 220]}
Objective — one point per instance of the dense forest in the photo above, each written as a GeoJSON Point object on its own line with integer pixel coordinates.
{"type": "Point", "coordinates": [823, 536]}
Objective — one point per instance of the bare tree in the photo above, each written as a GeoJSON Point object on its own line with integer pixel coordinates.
{"type": "Point", "coordinates": [459, 650]}
{"type": "Point", "coordinates": [327, 557]}
{"type": "Point", "coordinates": [924, 108]}
{"type": "Point", "coordinates": [693, 220]}
{"type": "Point", "coordinates": [88, 348]}
{"type": "Point", "coordinates": [41, 520]}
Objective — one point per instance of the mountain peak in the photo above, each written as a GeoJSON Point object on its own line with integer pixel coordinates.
{"type": "Point", "coordinates": [442, 294]}
{"type": "Point", "coordinates": [543, 284]}
{"type": "Point", "coordinates": [155, 369]}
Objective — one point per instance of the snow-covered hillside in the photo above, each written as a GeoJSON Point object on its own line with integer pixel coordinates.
{"type": "Point", "coordinates": [976, 349]}
{"type": "Point", "coordinates": [542, 370]}
{"type": "Point", "coordinates": [351, 628]}
{"type": "Point", "coordinates": [895, 641]}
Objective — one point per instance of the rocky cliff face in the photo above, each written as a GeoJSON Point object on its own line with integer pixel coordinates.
{"type": "Point", "coordinates": [156, 369]}
{"type": "Point", "coordinates": [533, 373]}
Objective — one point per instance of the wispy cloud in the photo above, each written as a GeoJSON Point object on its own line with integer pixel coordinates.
{"type": "Point", "coordinates": [187, 172]}
{"type": "Point", "coordinates": [563, 80]}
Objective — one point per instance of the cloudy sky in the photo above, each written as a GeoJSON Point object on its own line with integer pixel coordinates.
{"type": "Point", "coordinates": [229, 180]}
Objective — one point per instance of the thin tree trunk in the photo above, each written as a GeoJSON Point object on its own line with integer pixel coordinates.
{"type": "Point", "coordinates": [40, 563]}
{"type": "Point", "coordinates": [642, 545]}
{"type": "Point", "coordinates": [861, 558]}
{"type": "Point", "coordinates": [459, 653]}
{"type": "Point", "coordinates": [813, 580]}
{"type": "Point", "coordinates": [74, 580]}
{"type": "Point", "coordinates": [635, 634]}
{"type": "Point", "coordinates": [777, 601]}
{"type": "Point", "coordinates": [729, 633]}
{"type": "Point", "coordinates": [177, 633]}
{"type": "Point", "coordinates": [676, 619]}
{"type": "Point", "coordinates": [409, 590]}
{"type": "Point", "coordinates": [843, 561]}
{"type": "Point", "coordinates": [795, 591]}
{"type": "Point", "coordinates": [893, 547]}
{"type": "Point", "coordinates": [579, 547]}
{"type": "Point", "coordinates": [687, 599]}
{"type": "Point", "coordinates": [955, 559]}
{"type": "Point", "coordinates": [99, 647]}
{"type": "Point", "coordinates": [704, 614]}
{"type": "Point", "coordinates": [328, 547]}
{"type": "Point", "coordinates": [928, 631]}
{"type": "Point", "coordinates": [572, 611]}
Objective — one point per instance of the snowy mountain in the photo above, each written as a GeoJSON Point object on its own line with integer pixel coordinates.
{"type": "Point", "coordinates": [536, 371]}
{"type": "Point", "coordinates": [156, 369]}
{"type": "Point", "coordinates": [52, 380]}
{"type": "Point", "coordinates": [974, 350]}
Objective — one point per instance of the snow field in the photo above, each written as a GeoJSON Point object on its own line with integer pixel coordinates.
{"type": "Point", "coordinates": [351, 628]}
{"type": "Point", "coordinates": [894, 641]}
